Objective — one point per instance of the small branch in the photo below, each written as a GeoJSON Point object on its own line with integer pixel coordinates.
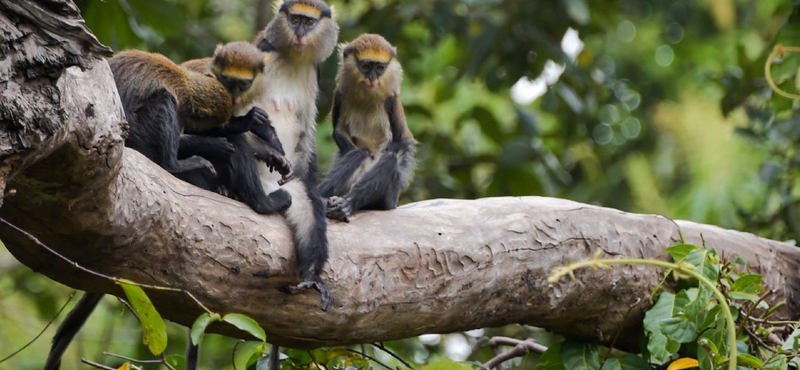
{"type": "Point", "coordinates": [95, 273]}
{"type": "Point", "coordinates": [388, 351]}
{"type": "Point", "coordinates": [373, 359]}
{"type": "Point", "coordinates": [521, 348]}
{"type": "Point", "coordinates": [42, 331]}
{"type": "Point", "coordinates": [95, 364]}
{"type": "Point", "coordinates": [162, 360]}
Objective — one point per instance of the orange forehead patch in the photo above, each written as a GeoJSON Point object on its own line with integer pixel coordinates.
{"type": "Point", "coordinates": [375, 55]}
{"type": "Point", "coordinates": [240, 73]}
{"type": "Point", "coordinates": [305, 10]}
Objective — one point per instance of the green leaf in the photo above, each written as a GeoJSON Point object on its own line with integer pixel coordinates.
{"type": "Point", "coordinates": [447, 364]}
{"type": "Point", "coordinates": [743, 296]}
{"type": "Point", "coordinates": [580, 356]}
{"type": "Point", "coordinates": [681, 251]}
{"type": "Point", "coordinates": [748, 283]}
{"type": "Point", "coordinates": [247, 353]}
{"type": "Point", "coordinates": [777, 362]}
{"type": "Point", "coordinates": [626, 361]}
{"type": "Point", "coordinates": [200, 325]}
{"type": "Point", "coordinates": [792, 342]}
{"type": "Point", "coordinates": [247, 324]}
{"type": "Point", "coordinates": [679, 329]}
{"type": "Point", "coordinates": [551, 359]}
{"type": "Point", "coordinates": [177, 361]}
{"type": "Point", "coordinates": [659, 346]}
{"type": "Point", "coordinates": [154, 334]}
{"type": "Point", "coordinates": [749, 360]}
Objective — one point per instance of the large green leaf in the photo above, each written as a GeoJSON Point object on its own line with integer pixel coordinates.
{"type": "Point", "coordinates": [625, 362]}
{"type": "Point", "coordinates": [200, 325]}
{"type": "Point", "coordinates": [580, 356]}
{"type": "Point", "coordinates": [247, 324]}
{"type": "Point", "coordinates": [154, 334]}
{"type": "Point", "coordinates": [551, 359]}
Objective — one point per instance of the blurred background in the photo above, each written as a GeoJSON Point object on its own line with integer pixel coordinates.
{"type": "Point", "coordinates": [644, 106]}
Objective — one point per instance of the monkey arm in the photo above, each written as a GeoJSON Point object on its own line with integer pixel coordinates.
{"type": "Point", "coordinates": [397, 120]}
{"type": "Point", "coordinates": [344, 144]}
{"type": "Point", "coordinates": [238, 125]}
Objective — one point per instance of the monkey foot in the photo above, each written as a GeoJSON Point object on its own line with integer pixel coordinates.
{"type": "Point", "coordinates": [339, 209]}
{"type": "Point", "coordinates": [318, 284]}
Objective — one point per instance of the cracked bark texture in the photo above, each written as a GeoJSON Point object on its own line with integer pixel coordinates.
{"type": "Point", "coordinates": [433, 266]}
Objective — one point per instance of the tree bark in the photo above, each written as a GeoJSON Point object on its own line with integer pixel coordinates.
{"type": "Point", "coordinates": [430, 267]}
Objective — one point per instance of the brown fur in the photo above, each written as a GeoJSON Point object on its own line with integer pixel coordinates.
{"type": "Point", "coordinates": [200, 98]}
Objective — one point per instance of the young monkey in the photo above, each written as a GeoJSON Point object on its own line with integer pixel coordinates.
{"type": "Point", "coordinates": [376, 149]}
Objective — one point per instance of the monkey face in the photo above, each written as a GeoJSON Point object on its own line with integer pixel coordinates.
{"type": "Point", "coordinates": [236, 87]}
{"type": "Point", "coordinates": [301, 26]}
{"type": "Point", "coordinates": [372, 72]}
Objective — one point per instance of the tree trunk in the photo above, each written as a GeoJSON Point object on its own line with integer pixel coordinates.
{"type": "Point", "coordinates": [429, 267]}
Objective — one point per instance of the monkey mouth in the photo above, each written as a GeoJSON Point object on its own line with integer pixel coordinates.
{"type": "Point", "coordinates": [371, 84]}
{"type": "Point", "coordinates": [236, 101]}
{"type": "Point", "coordinates": [300, 41]}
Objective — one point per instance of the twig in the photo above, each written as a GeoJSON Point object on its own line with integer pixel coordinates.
{"type": "Point", "coordinates": [42, 331]}
{"type": "Point", "coordinates": [95, 364]}
{"type": "Point", "coordinates": [373, 359]}
{"type": "Point", "coordinates": [161, 360]}
{"type": "Point", "coordinates": [314, 360]}
{"type": "Point", "coordinates": [156, 361]}
{"type": "Point", "coordinates": [95, 273]}
{"type": "Point", "coordinates": [521, 348]}
{"type": "Point", "coordinates": [383, 348]}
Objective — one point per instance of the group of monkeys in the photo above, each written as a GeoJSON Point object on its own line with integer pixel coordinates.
{"type": "Point", "coordinates": [243, 123]}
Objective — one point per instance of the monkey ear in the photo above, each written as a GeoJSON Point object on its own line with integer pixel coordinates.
{"type": "Point", "coordinates": [345, 49]}
{"type": "Point", "coordinates": [394, 51]}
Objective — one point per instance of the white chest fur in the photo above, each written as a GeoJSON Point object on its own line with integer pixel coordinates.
{"type": "Point", "coordinates": [288, 95]}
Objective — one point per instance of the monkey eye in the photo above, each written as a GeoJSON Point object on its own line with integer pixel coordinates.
{"type": "Point", "coordinates": [310, 22]}
{"type": "Point", "coordinates": [364, 67]}
{"type": "Point", "coordinates": [294, 19]}
{"type": "Point", "coordinates": [380, 68]}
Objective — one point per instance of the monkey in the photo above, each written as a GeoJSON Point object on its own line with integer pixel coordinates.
{"type": "Point", "coordinates": [298, 39]}
{"type": "Point", "coordinates": [161, 101]}
{"type": "Point", "coordinates": [376, 157]}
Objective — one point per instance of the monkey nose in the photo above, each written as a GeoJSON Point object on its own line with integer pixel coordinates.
{"type": "Point", "coordinates": [300, 40]}
{"type": "Point", "coordinates": [237, 100]}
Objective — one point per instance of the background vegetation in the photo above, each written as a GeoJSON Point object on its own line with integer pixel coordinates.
{"type": "Point", "coordinates": [645, 106]}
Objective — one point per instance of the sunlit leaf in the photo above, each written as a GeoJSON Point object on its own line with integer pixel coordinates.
{"type": "Point", "coordinates": [447, 364]}
{"type": "Point", "coordinates": [683, 363]}
{"type": "Point", "coordinates": [154, 334]}
{"type": "Point", "coordinates": [749, 360]}
{"type": "Point", "coordinates": [200, 325]}
{"type": "Point", "coordinates": [247, 324]}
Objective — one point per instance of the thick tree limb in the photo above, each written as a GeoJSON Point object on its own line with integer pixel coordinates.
{"type": "Point", "coordinates": [434, 266]}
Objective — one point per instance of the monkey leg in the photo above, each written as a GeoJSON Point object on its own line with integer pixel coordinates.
{"type": "Point", "coordinates": [341, 173]}
{"type": "Point", "coordinates": [69, 327]}
{"type": "Point", "coordinates": [155, 131]}
{"type": "Point", "coordinates": [306, 218]}
{"type": "Point", "coordinates": [378, 188]}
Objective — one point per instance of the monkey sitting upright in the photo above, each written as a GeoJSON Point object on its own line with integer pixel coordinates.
{"type": "Point", "coordinates": [376, 149]}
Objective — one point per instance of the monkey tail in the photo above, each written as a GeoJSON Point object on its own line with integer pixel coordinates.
{"type": "Point", "coordinates": [71, 325]}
